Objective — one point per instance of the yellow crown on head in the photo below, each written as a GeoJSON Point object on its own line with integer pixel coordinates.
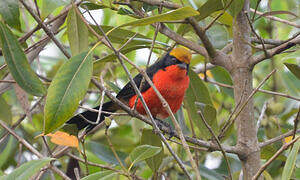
{"type": "Point", "coordinates": [182, 54]}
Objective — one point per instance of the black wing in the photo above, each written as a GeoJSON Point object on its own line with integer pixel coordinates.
{"type": "Point", "coordinates": [127, 91]}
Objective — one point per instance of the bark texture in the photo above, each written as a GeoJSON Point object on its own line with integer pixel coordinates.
{"type": "Point", "coordinates": [241, 73]}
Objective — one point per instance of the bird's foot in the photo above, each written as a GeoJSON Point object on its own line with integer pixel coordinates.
{"type": "Point", "coordinates": [160, 125]}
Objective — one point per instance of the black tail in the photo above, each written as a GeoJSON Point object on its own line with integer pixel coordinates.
{"type": "Point", "coordinates": [92, 116]}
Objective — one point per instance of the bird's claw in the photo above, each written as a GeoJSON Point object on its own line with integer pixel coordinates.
{"type": "Point", "coordinates": [160, 125]}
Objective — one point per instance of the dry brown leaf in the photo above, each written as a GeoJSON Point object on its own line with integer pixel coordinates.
{"type": "Point", "coordinates": [64, 139]}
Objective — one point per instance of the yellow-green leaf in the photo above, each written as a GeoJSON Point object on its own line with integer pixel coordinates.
{"type": "Point", "coordinates": [290, 162]}
{"type": "Point", "coordinates": [50, 5]}
{"type": "Point", "coordinates": [27, 170]}
{"type": "Point", "coordinates": [66, 90]}
{"type": "Point", "coordinates": [17, 63]}
{"type": "Point", "coordinates": [77, 32]}
{"type": "Point", "coordinates": [294, 68]}
{"type": "Point", "coordinates": [173, 15]}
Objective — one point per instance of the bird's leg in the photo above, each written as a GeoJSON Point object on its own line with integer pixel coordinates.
{"type": "Point", "coordinates": [160, 123]}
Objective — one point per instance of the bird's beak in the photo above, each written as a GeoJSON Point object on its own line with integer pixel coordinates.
{"type": "Point", "coordinates": [184, 66]}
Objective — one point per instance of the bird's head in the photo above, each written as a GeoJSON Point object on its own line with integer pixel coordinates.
{"type": "Point", "coordinates": [179, 56]}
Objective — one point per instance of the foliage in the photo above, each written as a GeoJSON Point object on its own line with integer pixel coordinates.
{"type": "Point", "coordinates": [56, 85]}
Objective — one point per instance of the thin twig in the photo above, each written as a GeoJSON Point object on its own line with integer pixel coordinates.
{"type": "Point", "coordinates": [218, 142]}
{"type": "Point", "coordinates": [115, 153]}
{"type": "Point", "coordinates": [46, 29]}
{"type": "Point", "coordinates": [253, 31]}
{"type": "Point", "coordinates": [20, 120]}
{"type": "Point", "coordinates": [296, 121]}
{"type": "Point", "coordinates": [83, 153]}
{"type": "Point", "coordinates": [261, 116]}
{"type": "Point", "coordinates": [263, 167]}
{"type": "Point", "coordinates": [260, 90]}
{"type": "Point", "coordinates": [257, 4]}
{"type": "Point", "coordinates": [218, 16]}
{"type": "Point", "coordinates": [277, 19]}
{"type": "Point", "coordinates": [47, 146]}
{"type": "Point", "coordinates": [278, 138]}
{"type": "Point", "coordinates": [248, 99]}
{"type": "Point", "coordinates": [32, 149]}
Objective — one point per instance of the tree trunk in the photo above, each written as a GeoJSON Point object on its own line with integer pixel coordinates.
{"type": "Point", "coordinates": [241, 73]}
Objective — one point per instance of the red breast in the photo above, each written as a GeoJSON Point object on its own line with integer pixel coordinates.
{"type": "Point", "coordinates": [172, 84]}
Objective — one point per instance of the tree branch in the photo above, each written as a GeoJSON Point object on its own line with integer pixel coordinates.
{"type": "Point", "coordinates": [272, 52]}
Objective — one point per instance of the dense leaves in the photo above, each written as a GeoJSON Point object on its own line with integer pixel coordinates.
{"type": "Point", "coordinates": [133, 142]}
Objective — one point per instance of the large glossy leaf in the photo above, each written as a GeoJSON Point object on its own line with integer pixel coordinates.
{"type": "Point", "coordinates": [143, 152]}
{"type": "Point", "coordinates": [5, 111]}
{"type": "Point", "coordinates": [104, 152]}
{"type": "Point", "coordinates": [9, 10]}
{"type": "Point", "coordinates": [197, 92]}
{"type": "Point", "coordinates": [27, 170]}
{"type": "Point", "coordinates": [50, 5]}
{"type": "Point", "coordinates": [77, 32]}
{"type": "Point", "coordinates": [294, 68]}
{"type": "Point", "coordinates": [173, 15]}
{"type": "Point", "coordinates": [148, 137]}
{"type": "Point", "coordinates": [17, 63]}
{"type": "Point", "coordinates": [103, 175]}
{"type": "Point", "coordinates": [290, 162]}
{"type": "Point", "coordinates": [66, 90]}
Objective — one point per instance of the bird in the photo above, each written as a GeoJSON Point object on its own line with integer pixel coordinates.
{"type": "Point", "coordinates": [169, 75]}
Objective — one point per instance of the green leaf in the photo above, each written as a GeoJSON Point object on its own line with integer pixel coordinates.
{"type": "Point", "coordinates": [290, 162]}
{"type": "Point", "coordinates": [173, 15]}
{"type": "Point", "coordinates": [209, 7]}
{"type": "Point", "coordinates": [5, 111]}
{"type": "Point", "coordinates": [148, 137]}
{"type": "Point", "coordinates": [8, 149]}
{"type": "Point", "coordinates": [66, 90]}
{"type": "Point", "coordinates": [235, 7]}
{"type": "Point", "coordinates": [28, 169]}
{"type": "Point", "coordinates": [104, 153]}
{"type": "Point", "coordinates": [197, 92]}
{"type": "Point", "coordinates": [103, 175]}
{"type": "Point", "coordinates": [49, 6]}
{"type": "Point", "coordinates": [294, 68]}
{"type": "Point", "coordinates": [267, 176]}
{"type": "Point", "coordinates": [143, 152]}
{"type": "Point", "coordinates": [77, 32]}
{"type": "Point", "coordinates": [222, 76]}
{"type": "Point", "coordinates": [17, 63]}
{"type": "Point", "coordinates": [9, 10]}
